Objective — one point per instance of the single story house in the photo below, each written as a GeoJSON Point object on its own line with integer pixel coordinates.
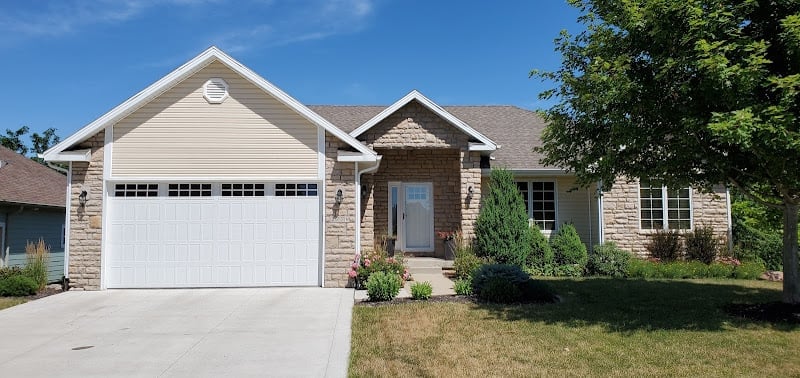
{"type": "Point", "coordinates": [214, 177]}
{"type": "Point", "coordinates": [32, 207]}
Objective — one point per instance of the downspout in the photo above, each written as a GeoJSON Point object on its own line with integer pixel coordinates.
{"type": "Point", "coordinates": [600, 232]}
{"type": "Point", "coordinates": [67, 226]}
{"type": "Point", "coordinates": [730, 218]}
{"type": "Point", "coordinates": [358, 200]}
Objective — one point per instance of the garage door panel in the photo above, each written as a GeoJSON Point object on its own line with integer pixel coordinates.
{"type": "Point", "coordinates": [213, 241]}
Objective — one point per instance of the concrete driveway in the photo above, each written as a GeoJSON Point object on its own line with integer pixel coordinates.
{"type": "Point", "coordinates": [180, 333]}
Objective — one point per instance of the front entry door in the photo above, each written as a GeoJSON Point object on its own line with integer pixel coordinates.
{"type": "Point", "coordinates": [417, 217]}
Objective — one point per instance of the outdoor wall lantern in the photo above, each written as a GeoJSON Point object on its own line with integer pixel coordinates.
{"type": "Point", "coordinates": [470, 191]}
{"type": "Point", "coordinates": [339, 197]}
{"type": "Point", "coordinates": [82, 198]}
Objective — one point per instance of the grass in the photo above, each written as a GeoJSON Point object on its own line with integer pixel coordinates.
{"type": "Point", "coordinates": [604, 327]}
{"type": "Point", "coordinates": [6, 302]}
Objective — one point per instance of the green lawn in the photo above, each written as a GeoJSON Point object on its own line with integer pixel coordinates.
{"type": "Point", "coordinates": [604, 327]}
{"type": "Point", "coordinates": [6, 302]}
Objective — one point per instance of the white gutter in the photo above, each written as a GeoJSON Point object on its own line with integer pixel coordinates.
{"type": "Point", "coordinates": [57, 168]}
{"type": "Point", "coordinates": [730, 220]}
{"type": "Point", "coordinates": [66, 221]}
{"type": "Point", "coordinates": [358, 200]}
{"type": "Point", "coordinates": [600, 233]}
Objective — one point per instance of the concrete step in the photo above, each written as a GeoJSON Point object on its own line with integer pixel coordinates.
{"type": "Point", "coordinates": [427, 262]}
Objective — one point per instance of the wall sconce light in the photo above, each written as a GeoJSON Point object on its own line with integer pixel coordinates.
{"type": "Point", "coordinates": [82, 198]}
{"type": "Point", "coordinates": [339, 197]}
{"type": "Point", "coordinates": [470, 191]}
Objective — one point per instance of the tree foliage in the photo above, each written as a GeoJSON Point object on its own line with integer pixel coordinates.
{"type": "Point", "coordinates": [40, 143]}
{"type": "Point", "coordinates": [696, 92]}
{"type": "Point", "coordinates": [501, 230]}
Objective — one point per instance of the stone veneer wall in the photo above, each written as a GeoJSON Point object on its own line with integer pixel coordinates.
{"type": "Point", "coordinates": [419, 146]}
{"type": "Point", "coordinates": [340, 233]}
{"type": "Point", "coordinates": [86, 223]}
{"type": "Point", "coordinates": [621, 215]}
{"type": "Point", "coordinates": [414, 126]}
{"type": "Point", "coordinates": [440, 167]}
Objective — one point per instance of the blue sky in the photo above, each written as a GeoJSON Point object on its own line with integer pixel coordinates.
{"type": "Point", "coordinates": [68, 62]}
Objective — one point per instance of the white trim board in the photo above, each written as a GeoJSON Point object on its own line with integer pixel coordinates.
{"type": "Point", "coordinates": [486, 143]}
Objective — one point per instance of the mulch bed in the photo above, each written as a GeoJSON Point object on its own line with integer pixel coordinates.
{"type": "Point", "coordinates": [772, 312]}
{"type": "Point", "coordinates": [434, 299]}
{"type": "Point", "coordinates": [48, 291]}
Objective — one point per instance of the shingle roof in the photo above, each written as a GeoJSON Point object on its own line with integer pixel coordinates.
{"type": "Point", "coordinates": [25, 181]}
{"type": "Point", "coordinates": [516, 130]}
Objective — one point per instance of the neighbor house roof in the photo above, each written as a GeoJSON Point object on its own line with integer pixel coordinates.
{"type": "Point", "coordinates": [516, 131]}
{"type": "Point", "coordinates": [60, 152]}
{"type": "Point", "coordinates": [25, 181]}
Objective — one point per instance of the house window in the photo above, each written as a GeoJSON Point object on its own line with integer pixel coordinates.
{"type": "Point", "coordinates": [540, 202]}
{"type": "Point", "coordinates": [664, 208]}
{"type": "Point", "coordinates": [136, 190]}
{"type": "Point", "coordinates": [242, 190]}
{"type": "Point", "coordinates": [295, 190]}
{"type": "Point", "coordinates": [189, 190]}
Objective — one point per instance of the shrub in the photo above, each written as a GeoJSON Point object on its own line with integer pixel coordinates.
{"type": "Point", "coordinates": [38, 255]}
{"type": "Point", "coordinates": [638, 268]}
{"type": "Point", "coordinates": [501, 230]}
{"type": "Point", "coordinates": [383, 286]}
{"type": "Point", "coordinates": [701, 244]}
{"type": "Point", "coordinates": [17, 286]}
{"type": "Point", "coordinates": [568, 270]}
{"type": "Point", "coordinates": [463, 286]}
{"type": "Point", "coordinates": [749, 270]}
{"type": "Point", "coordinates": [719, 270]}
{"type": "Point", "coordinates": [421, 290]}
{"type": "Point", "coordinates": [466, 262]}
{"type": "Point", "coordinates": [546, 270]}
{"type": "Point", "coordinates": [608, 260]}
{"type": "Point", "coordinates": [665, 245]}
{"type": "Point", "coordinates": [751, 244]}
{"type": "Point", "coordinates": [9, 271]}
{"type": "Point", "coordinates": [377, 261]}
{"type": "Point", "coordinates": [568, 248]}
{"type": "Point", "coordinates": [504, 283]}
{"type": "Point", "coordinates": [541, 254]}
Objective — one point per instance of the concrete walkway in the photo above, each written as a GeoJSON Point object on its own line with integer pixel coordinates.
{"type": "Point", "coordinates": [286, 332]}
{"type": "Point", "coordinates": [422, 269]}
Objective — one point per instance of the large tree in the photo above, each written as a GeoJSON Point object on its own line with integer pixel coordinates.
{"type": "Point", "coordinates": [696, 92]}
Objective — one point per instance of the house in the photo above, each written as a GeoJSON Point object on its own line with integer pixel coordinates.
{"type": "Point", "coordinates": [31, 208]}
{"type": "Point", "coordinates": [214, 177]}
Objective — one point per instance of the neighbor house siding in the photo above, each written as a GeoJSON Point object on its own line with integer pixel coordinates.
{"type": "Point", "coordinates": [29, 225]}
{"type": "Point", "coordinates": [621, 216]}
{"type": "Point", "coordinates": [179, 134]}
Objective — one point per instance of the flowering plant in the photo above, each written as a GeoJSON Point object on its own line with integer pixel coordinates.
{"type": "Point", "coordinates": [363, 266]}
{"type": "Point", "coordinates": [446, 235]}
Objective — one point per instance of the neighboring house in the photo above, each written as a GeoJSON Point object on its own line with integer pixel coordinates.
{"type": "Point", "coordinates": [212, 177]}
{"type": "Point", "coordinates": [31, 208]}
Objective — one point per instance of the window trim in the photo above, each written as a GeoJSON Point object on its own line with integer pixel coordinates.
{"type": "Point", "coordinates": [531, 220]}
{"type": "Point", "coordinates": [664, 209]}
{"type": "Point", "coordinates": [285, 190]}
{"type": "Point", "coordinates": [390, 225]}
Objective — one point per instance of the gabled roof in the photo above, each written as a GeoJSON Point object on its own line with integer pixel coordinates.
{"type": "Point", "coordinates": [517, 130]}
{"type": "Point", "coordinates": [486, 144]}
{"type": "Point", "coordinates": [189, 68]}
{"type": "Point", "coordinates": [24, 181]}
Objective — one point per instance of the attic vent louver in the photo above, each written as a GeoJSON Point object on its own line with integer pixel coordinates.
{"type": "Point", "coordinates": [215, 90]}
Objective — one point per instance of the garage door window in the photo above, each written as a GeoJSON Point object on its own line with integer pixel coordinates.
{"type": "Point", "coordinates": [243, 190]}
{"type": "Point", "coordinates": [189, 190]}
{"type": "Point", "coordinates": [295, 190]}
{"type": "Point", "coordinates": [136, 190]}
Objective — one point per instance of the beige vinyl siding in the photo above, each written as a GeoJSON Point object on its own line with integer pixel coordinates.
{"type": "Point", "coordinates": [179, 134]}
{"type": "Point", "coordinates": [576, 206]}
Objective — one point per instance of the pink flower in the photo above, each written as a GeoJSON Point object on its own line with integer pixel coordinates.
{"type": "Point", "coordinates": [367, 263]}
{"type": "Point", "coordinates": [354, 266]}
{"type": "Point", "coordinates": [391, 260]}
{"type": "Point", "coordinates": [352, 273]}
{"type": "Point", "coordinates": [406, 275]}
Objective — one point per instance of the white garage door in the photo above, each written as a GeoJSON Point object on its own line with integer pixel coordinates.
{"type": "Point", "coordinates": [213, 235]}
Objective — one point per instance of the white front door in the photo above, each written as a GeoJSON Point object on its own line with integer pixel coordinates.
{"type": "Point", "coordinates": [417, 217]}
